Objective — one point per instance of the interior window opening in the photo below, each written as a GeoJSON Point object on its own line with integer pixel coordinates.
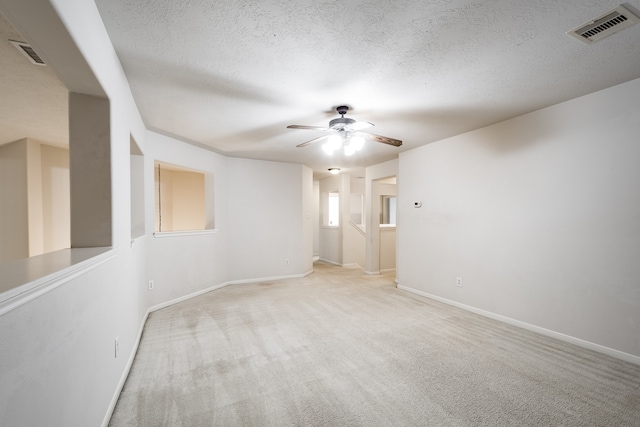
{"type": "Point", "coordinates": [181, 199]}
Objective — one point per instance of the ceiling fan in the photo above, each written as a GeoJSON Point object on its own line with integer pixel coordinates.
{"type": "Point", "coordinates": [345, 132]}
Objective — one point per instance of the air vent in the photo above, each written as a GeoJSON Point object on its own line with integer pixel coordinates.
{"type": "Point", "coordinates": [28, 52]}
{"type": "Point", "coordinates": [603, 26]}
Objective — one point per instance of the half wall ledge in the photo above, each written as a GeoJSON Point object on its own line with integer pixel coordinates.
{"type": "Point", "coordinates": [26, 279]}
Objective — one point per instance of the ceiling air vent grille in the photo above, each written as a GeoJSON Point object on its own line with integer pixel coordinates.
{"type": "Point", "coordinates": [28, 52]}
{"type": "Point", "coordinates": [603, 26]}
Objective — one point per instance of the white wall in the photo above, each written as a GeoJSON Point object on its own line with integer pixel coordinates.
{"type": "Point", "coordinates": [35, 233]}
{"type": "Point", "coordinates": [268, 221]}
{"type": "Point", "coordinates": [183, 264]}
{"type": "Point", "coordinates": [309, 226]}
{"type": "Point", "coordinates": [34, 199]}
{"type": "Point", "coordinates": [540, 216]}
{"type": "Point", "coordinates": [136, 168]}
{"type": "Point", "coordinates": [57, 357]}
{"type": "Point", "coordinates": [354, 234]}
{"type": "Point", "coordinates": [14, 214]}
{"type": "Point", "coordinates": [55, 198]}
{"type": "Point", "coordinates": [315, 217]}
{"type": "Point", "coordinates": [355, 245]}
{"type": "Point", "coordinates": [356, 205]}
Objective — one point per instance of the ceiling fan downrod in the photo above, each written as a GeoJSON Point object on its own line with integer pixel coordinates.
{"type": "Point", "coordinates": [342, 110]}
{"type": "Point", "coordinates": [340, 123]}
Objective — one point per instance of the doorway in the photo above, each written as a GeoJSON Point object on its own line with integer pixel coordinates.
{"type": "Point", "coordinates": [385, 195]}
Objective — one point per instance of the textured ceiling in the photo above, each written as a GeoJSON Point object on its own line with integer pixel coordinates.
{"type": "Point", "coordinates": [232, 74]}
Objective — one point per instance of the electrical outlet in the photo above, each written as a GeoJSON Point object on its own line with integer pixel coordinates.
{"type": "Point", "coordinates": [117, 347]}
{"type": "Point", "coordinates": [151, 285]}
{"type": "Point", "coordinates": [458, 281]}
{"type": "Point", "coordinates": [286, 261]}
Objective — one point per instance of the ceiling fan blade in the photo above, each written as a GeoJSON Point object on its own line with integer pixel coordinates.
{"type": "Point", "coordinates": [358, 126]}
{"type": "Point", "coordinates": [378, 138]}
{"type": "Point", "coordinates": [306, 127]}
{"type": "Point", "coordinates": [304, 144]}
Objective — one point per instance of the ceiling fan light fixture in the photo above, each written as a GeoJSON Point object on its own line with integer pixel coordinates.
{"type": "Point", "coordinates": [346, 132]}
{"type": "Point", "coordinates": [349, 150]}
{"type": "Point", "coordinates": [357, 142]}
{"type": "Point", "coordinates": [335, 141]}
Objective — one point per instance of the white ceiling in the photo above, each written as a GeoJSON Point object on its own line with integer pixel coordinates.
{"type": "Point", "coordinates": [232, 74]}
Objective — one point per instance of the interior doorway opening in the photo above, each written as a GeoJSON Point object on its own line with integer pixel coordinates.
{"type": "Point", "coordinates": [384, 196]}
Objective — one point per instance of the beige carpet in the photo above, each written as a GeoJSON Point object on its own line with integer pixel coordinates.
{"type": "Point", "coordinates": [340, 348]}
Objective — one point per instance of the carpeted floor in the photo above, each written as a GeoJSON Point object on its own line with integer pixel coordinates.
{"type": "Point", "coordinates": [340, 348]}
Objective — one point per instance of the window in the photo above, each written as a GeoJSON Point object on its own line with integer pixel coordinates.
{"type": "Point", "coordinates": [180, 199]}
{"type": "Point", "coordinates": [333, 203]}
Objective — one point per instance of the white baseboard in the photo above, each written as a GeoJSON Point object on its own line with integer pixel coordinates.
{"type": "Point", "coordinates": [352, 265]}
{"type": "Point", "coordinates": [330, 262]}
{"type": "Point", "coordinates": [387, 270]}
{"type": "Point", "coordinates": [372, 273]}
{"type": "Point", "coordinates": [125, 373]}
{"type": "Point", "coordinates": [222, 285]}
{"type": "Point", "coordinates": [348, 264]}
{"type": "Point", "coordinates": [188, 296]}
{"type": "Point", "coordinates": [533, 328]}
{"type": "Point", "coordinates": [269, 279]}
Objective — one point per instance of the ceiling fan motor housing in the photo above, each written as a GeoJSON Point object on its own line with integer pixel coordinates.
{"type": "Point", "coordinates": [340, 123]}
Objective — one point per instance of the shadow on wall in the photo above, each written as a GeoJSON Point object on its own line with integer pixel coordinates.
{"type": "Point", "coordinates": [520, 133]}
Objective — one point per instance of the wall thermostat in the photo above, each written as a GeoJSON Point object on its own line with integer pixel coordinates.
{"type": "Point", "coordinates": [417, 204]}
